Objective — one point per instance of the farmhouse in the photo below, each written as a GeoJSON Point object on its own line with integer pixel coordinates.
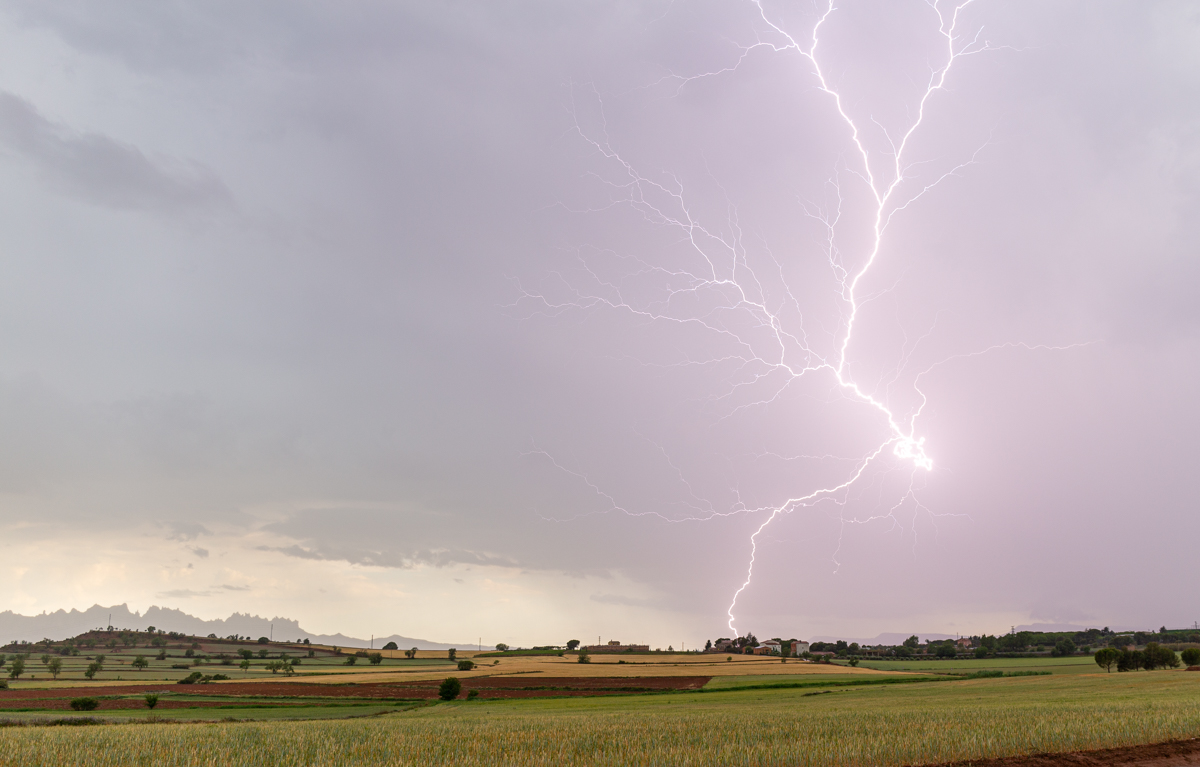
{"type": "Point", "coordinates": [771, 646]}
{"type": "Point", "coordinates": [799, 648]}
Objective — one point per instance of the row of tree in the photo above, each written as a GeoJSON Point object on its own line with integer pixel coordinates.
{"type": "Point", "coordinates": [1152, 657]}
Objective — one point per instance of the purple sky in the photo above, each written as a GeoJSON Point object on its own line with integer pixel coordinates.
{"type": "Point", "coordinates": [344, 315]}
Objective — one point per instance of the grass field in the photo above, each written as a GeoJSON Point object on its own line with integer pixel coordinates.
{"type": "Point", "coordinates": [1075, 664]}
{"type": "Point", "coordinates": [901, 724]}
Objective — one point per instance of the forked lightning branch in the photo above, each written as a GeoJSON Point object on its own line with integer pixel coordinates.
{"type": "Point", "coordinates": [780, 346]}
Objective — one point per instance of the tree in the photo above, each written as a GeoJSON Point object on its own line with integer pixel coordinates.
{"type": "Point", "coordinates": [450, 688]}
{"type": "Point", "coordinates": [410, 653]}
{"type": "Point", "coordinates": [1107, 658]}
{"type": "Point", "coordinates": [245, 664]}
{"type": "Point", "coordinates": [45, 659]}
{"type": "Point", "coordinates": [1130, 660]}
{"type": "Point", "coordinates": [1157, 656]}
{"type": "Point", "coordinates": [1191, 656]}
{"type": "Point", "coordinates": [946, 650]}
{"type": "Point", "coordinates": [264, 640]}
{"type": "Point", "coordinates": [247, 654]}
{"type": "Point", "coordinates": [707, 645]}
{"type": "Point", "coordinates": [150, 630]}
{"type": "Point", "coordinates": [92, 669]}
{"type": "Point", "coordinates": [351, 660]}
{"type": "Point", "coordinates": [151, 700]}
{"type": "Point", "coordinates": [388, 646]}
{"type": "Point", "coordinates": [583, 656]}
{"type": "Point", "coordinates": [981, 652]}
{"type": "Point", "coordinates": [140, 662]}
{"type": "Point", "coordinates": [912, 642]}
{"type": "Point", "coordinates": [54, 667]}
{"type": "Point", "coordinates": [376, 658]}
{"type": "Point", "coordinates": [501, 647]}
{"type": "Point", "coordinates": [162, 655]}
{"type": "Point", "coordinates": [1062, 648]}
{"type": "Point", "coordinates": [275, 665]}
{"type": "Point", "coordinates": [262, 653]}
{"type": "Point", "coordinates": [17, 668]}
{"type": "Point", "coordinates": [452, 653]}
{"type": "Point", "coordinates": [466, 665]}
{"type": "Point", "coordinates": [573, 643]}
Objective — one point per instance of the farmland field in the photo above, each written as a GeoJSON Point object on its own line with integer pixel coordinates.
{"type": "Point", "coordinates": [871, 724]}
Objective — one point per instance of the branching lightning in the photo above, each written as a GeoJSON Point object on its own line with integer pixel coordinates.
{"type": "Point", "coordinates": [777, 350]}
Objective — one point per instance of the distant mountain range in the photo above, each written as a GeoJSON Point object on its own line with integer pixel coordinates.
{"type": "Point", "coordinates": [62, 624]}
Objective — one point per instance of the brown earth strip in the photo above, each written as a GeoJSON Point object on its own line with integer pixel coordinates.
{"type": "Point", "coordinates": [1175, 753]}
{"type": "Point", "coordinates": [487, 687]}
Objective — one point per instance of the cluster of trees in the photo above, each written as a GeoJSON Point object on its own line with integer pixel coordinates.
{"type": "Point", "coordinates": [1154, 656]}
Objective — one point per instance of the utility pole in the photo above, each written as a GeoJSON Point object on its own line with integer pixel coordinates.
{"type": "Point", "coordinates": [272, 632]}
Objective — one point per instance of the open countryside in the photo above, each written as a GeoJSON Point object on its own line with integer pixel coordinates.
{"type": "Point", "coordinates": [166, 698]}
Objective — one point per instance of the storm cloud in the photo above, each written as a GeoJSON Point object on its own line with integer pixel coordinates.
{"type": "Point", "coordinates": [299, 316]}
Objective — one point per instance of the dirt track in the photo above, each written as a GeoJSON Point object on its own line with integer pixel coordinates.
{"type": "Point", "coordinates": [1172, 754]}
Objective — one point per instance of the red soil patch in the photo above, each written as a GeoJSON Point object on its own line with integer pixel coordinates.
{"type": "Point", "coordinates": [1175, 753]}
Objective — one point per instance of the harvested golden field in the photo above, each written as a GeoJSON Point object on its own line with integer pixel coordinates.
{"type": "Point", "coordinates": [601, 665]}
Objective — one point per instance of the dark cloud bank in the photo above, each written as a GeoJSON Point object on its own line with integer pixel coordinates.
{"type": "Point", "coordinates": [270, 279]}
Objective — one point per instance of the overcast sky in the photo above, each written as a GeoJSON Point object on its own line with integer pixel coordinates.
{"type": "Point", "coordinates": [351, 313]}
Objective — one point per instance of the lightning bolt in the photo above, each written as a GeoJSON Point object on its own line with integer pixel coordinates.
{"type": "Point", "coordinates": [777, 351]}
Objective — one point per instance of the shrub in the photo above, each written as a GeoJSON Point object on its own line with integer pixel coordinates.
{"type": "Point", "coordinates": [84, 704]}
{"type": "Point", "coordinates": [472, 694]}
{"type": "Point", "coordinates": [450, 688]}
{"type": "Point", "coordinates": [162, 655]}
{"type": "Point", "coordinates": [191, 678]}
{"type": "Point", "coordinates": [583, 656]}
{"type": "Point", "coordinates": [376, 658]}
{"type": "Point", "coordinates": [151, 700]}
{"type": "Point", "coordinates": [1191, 656]}
{"type": "Point", "coordinates": [466, 665]}
{"type": "Point", "coordinates": [218, 677]}
{"type": "Point", "coordinates": [264, 640]}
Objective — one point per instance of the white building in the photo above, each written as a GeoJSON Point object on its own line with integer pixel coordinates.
{"type": "Point", "coordinates": [799, 648]}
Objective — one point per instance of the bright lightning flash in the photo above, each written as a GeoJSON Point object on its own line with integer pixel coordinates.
{"type": "Point", "coordinates": [786, 354]}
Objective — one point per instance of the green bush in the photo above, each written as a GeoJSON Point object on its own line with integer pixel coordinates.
{"type": "Point", "coordinates": [151, 700]}
{"type": "Point", "coordinates": [84, 704]}
{"type": "Point", "coordinates": [450, 689]}
{"type": "Point", "coordinates": [472, 694]}
{"type": "Point", "coordinates": [466, 665]}
{"type": "Point", "coordinates": [1191, 656]}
